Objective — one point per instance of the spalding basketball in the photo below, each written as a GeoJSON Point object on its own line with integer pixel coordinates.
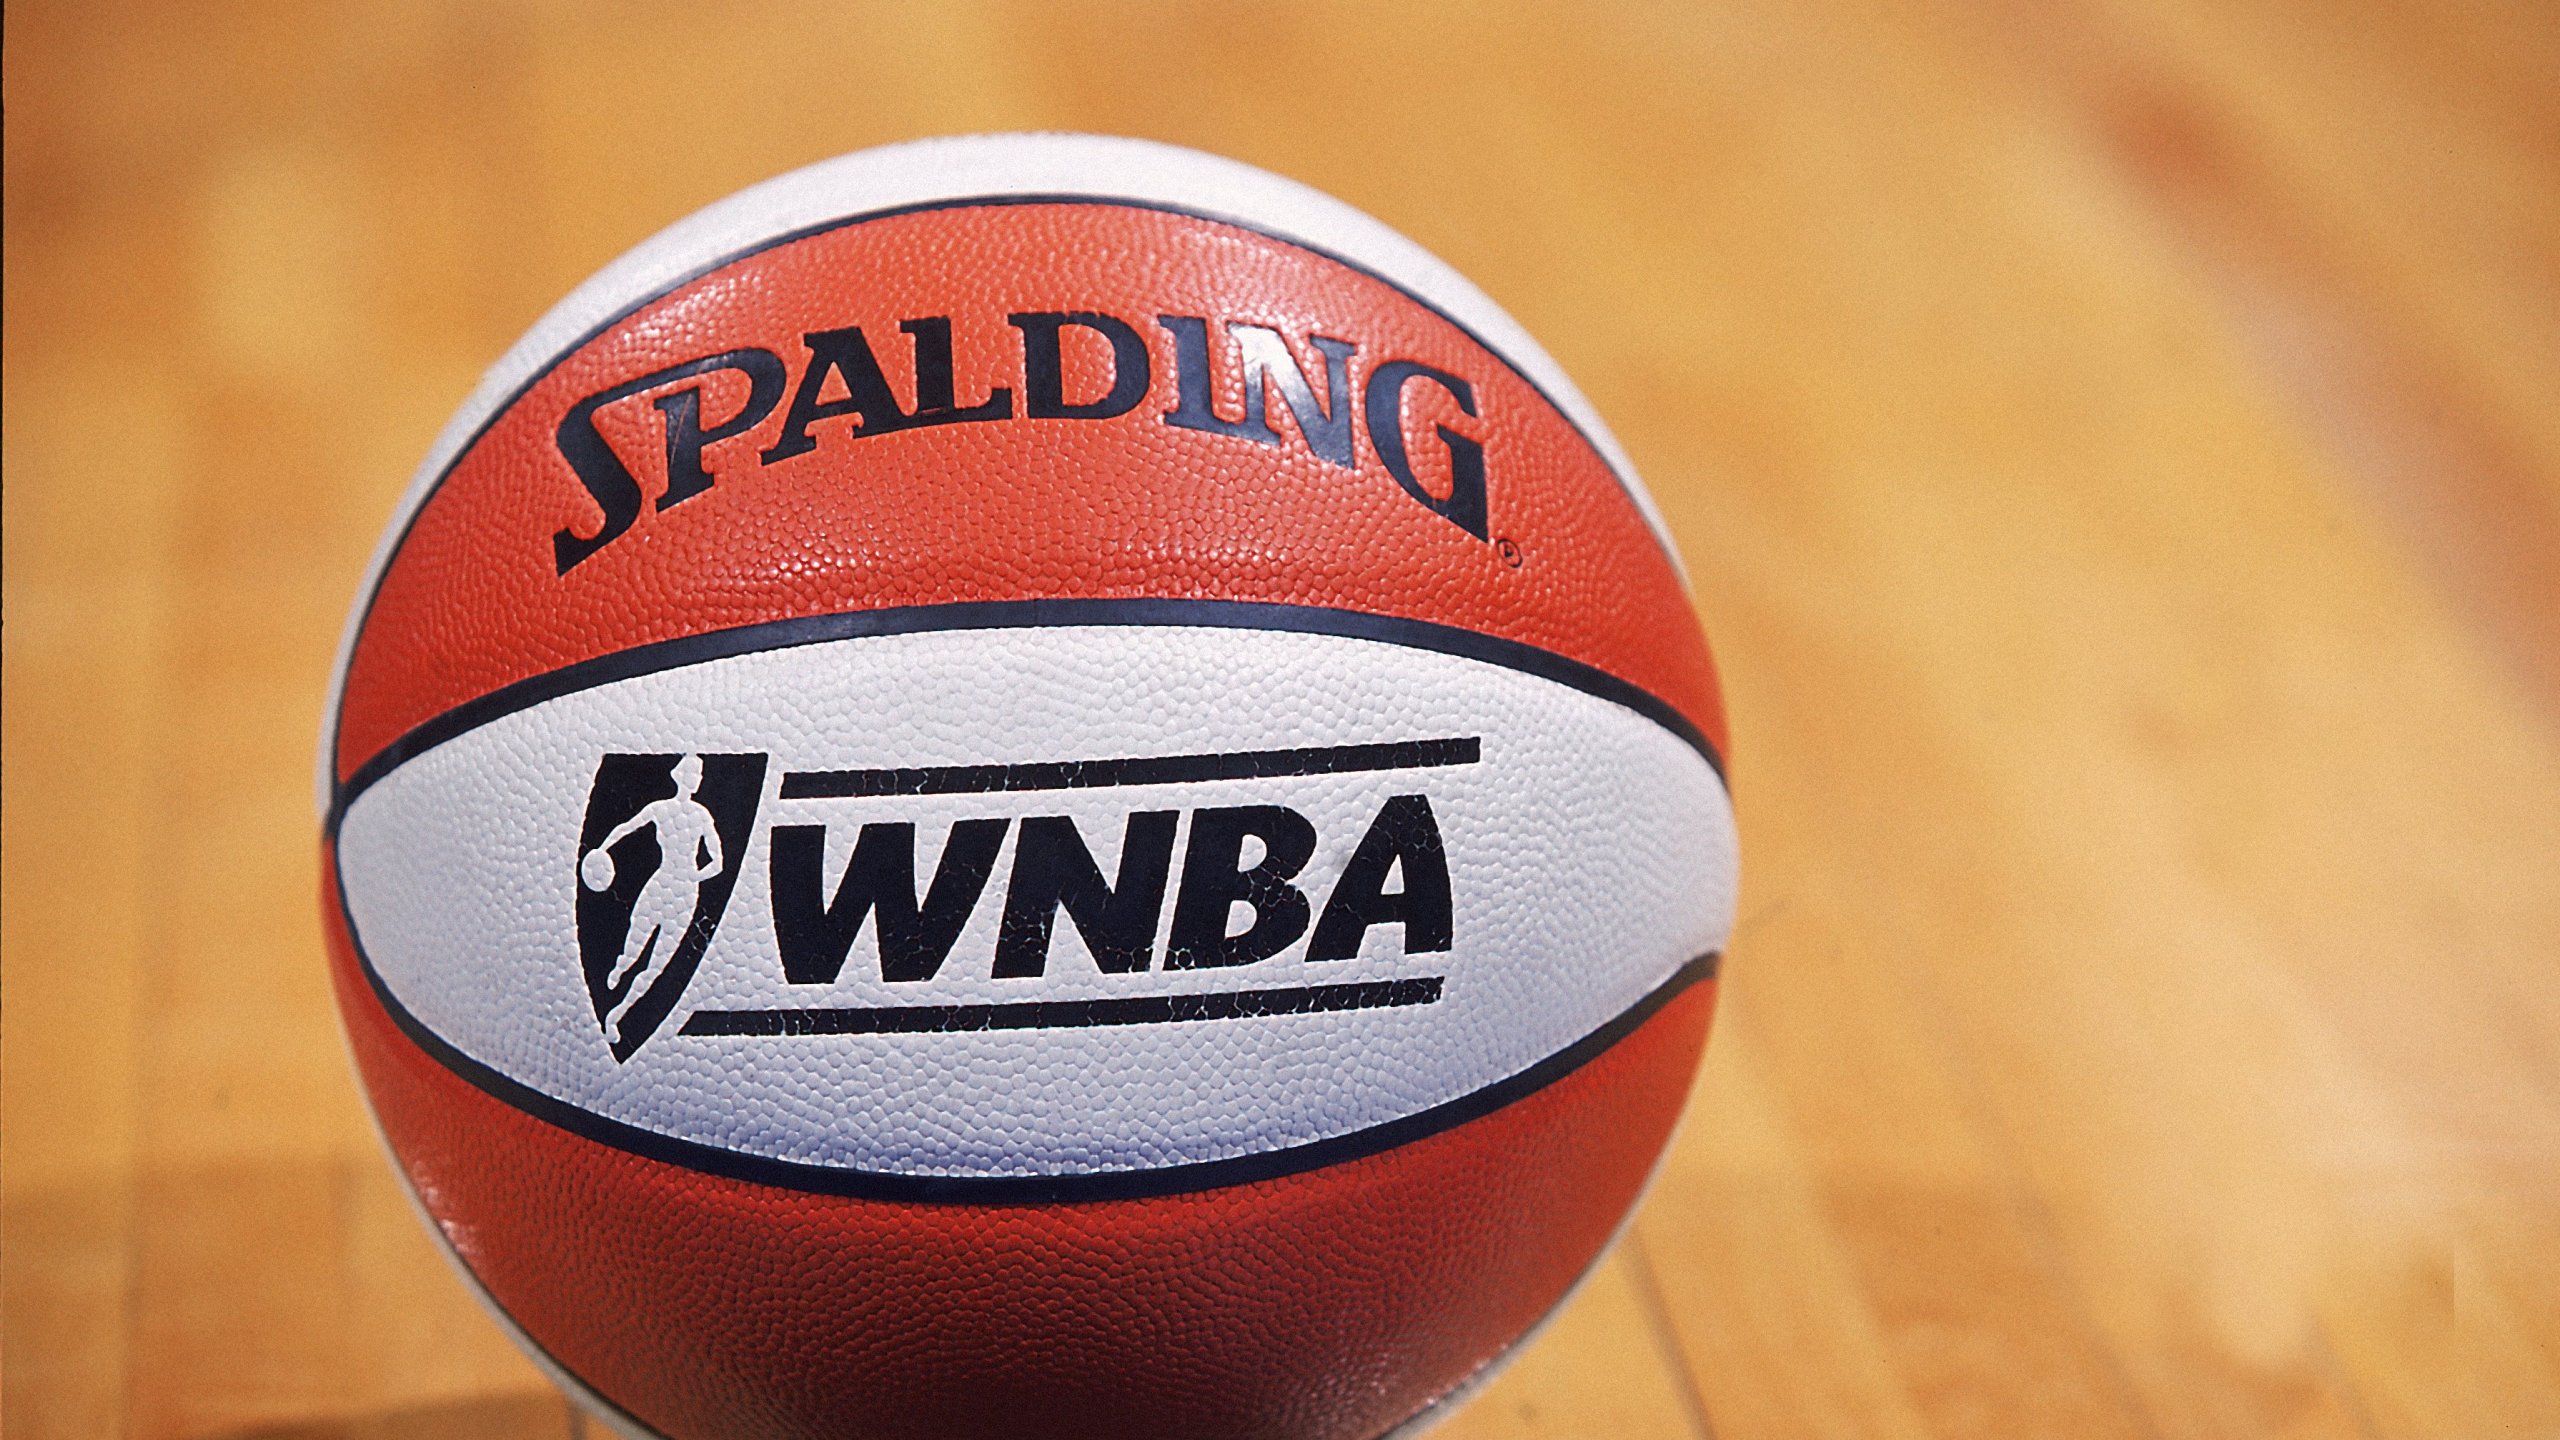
{"type": "Point", "coordinates": [1026, 785]}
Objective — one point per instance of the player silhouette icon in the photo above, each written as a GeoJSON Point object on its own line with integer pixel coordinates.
{"type": "Point", "coordinates": [688, 854]}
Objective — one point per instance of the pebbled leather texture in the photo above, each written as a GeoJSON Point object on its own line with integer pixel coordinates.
{"type": "Point", "coordinates": [522, 645]}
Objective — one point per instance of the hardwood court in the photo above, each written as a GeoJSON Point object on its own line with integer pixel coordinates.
{"type": "Point", "coordinates": [2113, 444]}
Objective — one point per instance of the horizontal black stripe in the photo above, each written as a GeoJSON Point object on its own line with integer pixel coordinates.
{"type": "Point", "coordinates": [1135, 770]}
{"type": "Point", "coordinates": [1015, 615]}
{"type": "Point", "coordinates": [409, 522]}
{"type": "Point", "coordinates": [1067, 1014]}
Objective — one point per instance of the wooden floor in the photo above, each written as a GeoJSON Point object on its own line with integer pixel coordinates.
{"type": "Point", "coordinates": [2117, 445]}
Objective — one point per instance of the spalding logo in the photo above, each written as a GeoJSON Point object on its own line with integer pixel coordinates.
{"type": "Point", "coordinates": [841, 360]}
{"type": "Point", "coordinates": [663, 837]}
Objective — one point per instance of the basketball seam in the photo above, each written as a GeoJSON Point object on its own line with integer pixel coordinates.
{"type": "Point", "coordinates": [764, 636]}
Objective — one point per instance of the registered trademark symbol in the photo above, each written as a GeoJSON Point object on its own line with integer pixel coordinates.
{"type": "Point", "coordinates": [1509, 552]}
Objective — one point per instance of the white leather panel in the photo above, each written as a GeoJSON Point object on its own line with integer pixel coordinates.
{"type": "Point", "coordinates": [1590, 854]}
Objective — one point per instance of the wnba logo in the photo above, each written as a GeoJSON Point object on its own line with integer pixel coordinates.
{"type": "Point", "coordinates": [657, 861]}
{"type": "Point", "coordinates": [666, 835]}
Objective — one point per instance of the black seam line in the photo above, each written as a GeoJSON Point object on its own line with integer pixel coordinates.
{"type": "Point", "coordinates": [1012, 615]}
{"type": "Point", "coordinates": [1069, 1014]}
{"type": "Point", "coordinates": [1025, 1189]}
{"type": "Point", "coordinates": [1131, 770]}
{"type": "Point", "coordinates": [1626, 482]}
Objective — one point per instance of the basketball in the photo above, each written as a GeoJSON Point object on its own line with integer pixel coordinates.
{"type": "Point", "coordinates": [1025, 785]}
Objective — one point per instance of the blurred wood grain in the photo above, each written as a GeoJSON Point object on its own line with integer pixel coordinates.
{"type": "Point", "coordinates": [2116, 447]}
